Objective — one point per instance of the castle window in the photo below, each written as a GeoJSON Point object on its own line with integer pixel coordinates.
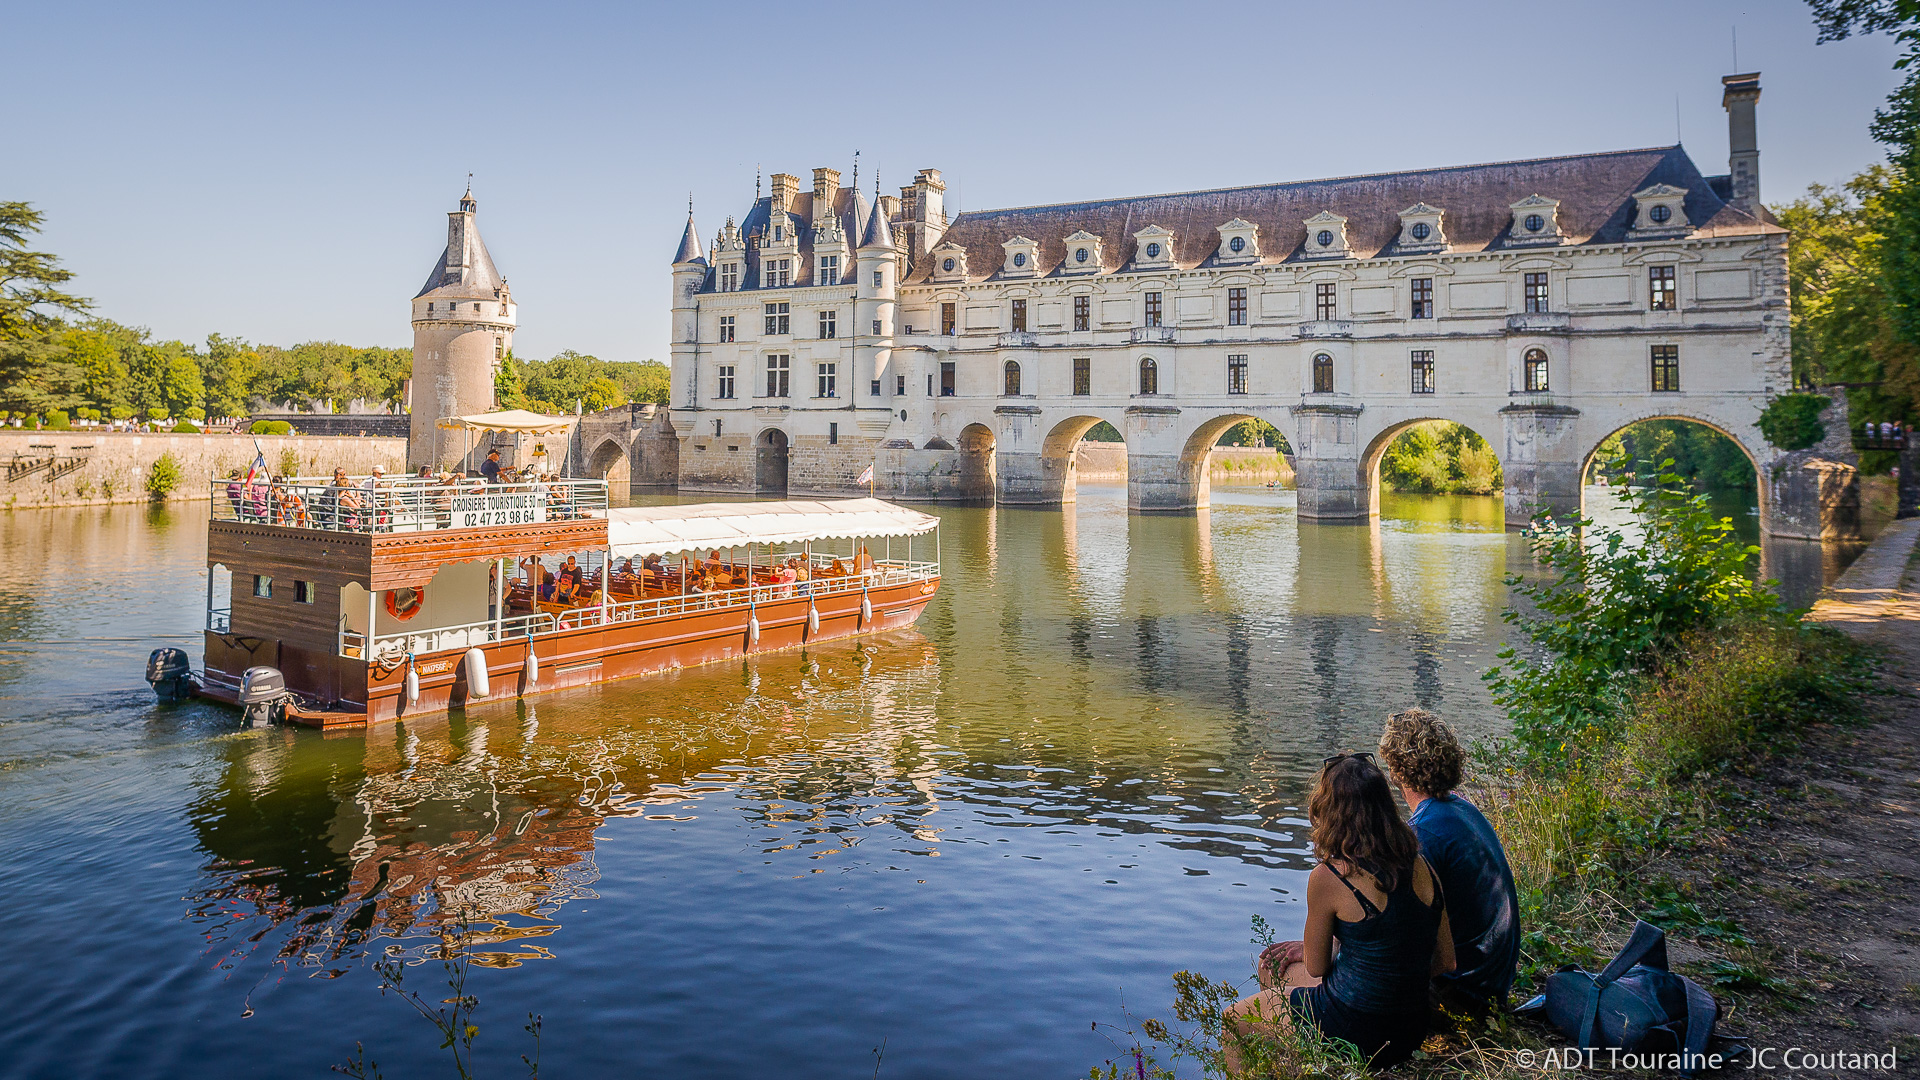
{"type": "Point", "coordinates": [778, 232]}
{"type": "Point", "coordinates": [263, 586]}
{"type": "Point", "coordinates": [833, 434]}
{"type": "Point", "coordinates": [1080, 255]}
{"type": "Point", "coordinates": [900, 387]}
{"type": "Point", "coordinates": [499, 348]}
{"type": "Point", "coordinates": [873, 388]}
{"type": "Point", "coordinates": [779, 273]}
{"type": "Point", "coordinates": [1423, 298]}
{"type": "Point", "coordinates": [716, 427]}
{"type": "Point", "coordinates": [829, 270]}
{"type": "Point", "coordinates": [1660, 286]}
{"type": "Point", "coordinates": [1666, 369]}
{"type": "Point", "coordinates": [1326, 303]}
{"type": "Point", "coordinates": [1237, 245]}
{"type": "Point", "coordinates": [1082, 313]}
{"type": "Point", "coordinates": [1153, 251]}
{"type": "Point", "coordinates": [1322, 373]}
{"type": "Point", "coordinates": [1536, 290]}
{"type": "Point", "coordinates": [826, 385]}
{"type": "Point", "coordinates": [1535, 223]}
{"type": "Point", "coordinates": [1237, 373]}
{"type": "Point", "coordinates": [725, 390]}
{"type": "Point", "coordinates": [726, 328]}
{"type": "Point", "coordinates": [1019, 258]}
{"type": "Point", "coordinates": [1324, 238]}
{"type": "Point", "coordinates": [1082, 376]}
{"type": "Point", "coordinates": [946, 318]}
{"type": "Point", "coordinates": [829, 321]}
{"type": "Point", "coordinates": [1660, 214]}
{"type": "Point", "coordinates": [729, 277]}
{"type": "Point", "coordinates": [476, 309]}
{"type": "Point", "coordinates": [879, 278]}
{"type": "Point", "coordinates": [1153, 309]}
{"type": "Point", "coordinates": [778, 366]}
{"type": "Point", "coordinates": [1536, 371]}
{"type": "Point", "coordinates": [429, 305]}
{"type": "Point", "coordinates": [1422, 371]}
{"type": "Point", "coordinates": [946, 379]}
{"type": "Point", "coordinates": [1236, 306]}
{"type": "Point", "coordinates": [876, 328]}
{"type": "Point", "coordinates": [1011, 371]}
{"type": "Point", "coordinates": [947, 266]}
{"type": "Point", "coordinates": [777, 319]}
{"type": "Point", "coordinates": [503, 309]}
{"type": "Point", "coordinates": [1421, 230]}
{"type": "Point", "coordinates": [1149, 376]}
{"type": "Point", "coordinates": [1020, 315]}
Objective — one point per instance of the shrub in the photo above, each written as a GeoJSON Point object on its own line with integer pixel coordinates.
{"type": "Point", "coordinates": [194, 413]}
{"type": "Point", "coordinates": [120, 412]}
{"type": "Point", "coordinates": [289, 462]}
{"type": "Point", "coordinates": [271, 427]}
{"type": "Point", "coordinates": [156, 413]}
{"type": "Point", "coordinates": [164, 476]}
{"type": "Point", "coordinates": [186, 427]}
{"type": "Point", "coordinates": [88, 414]}
{"type": "Point", "coordinates": [1792, 421]}
{"type": "Point", "coordinates": [57, 421]}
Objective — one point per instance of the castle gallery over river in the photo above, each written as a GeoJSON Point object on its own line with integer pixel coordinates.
{"type": "Point", "coordinates": [1545, 303]}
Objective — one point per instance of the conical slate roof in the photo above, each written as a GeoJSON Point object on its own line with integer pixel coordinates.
{"type": "Point", "coordinates": [878, 234]}
{"type": "Point", "coordinates": [689, 244]}
{"type": "Point", "coordinates": [464, 267]}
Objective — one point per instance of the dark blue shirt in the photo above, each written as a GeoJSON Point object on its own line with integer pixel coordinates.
{"type": "Point", "coordinates": [490, 469]}
{"type": "Point", "coordinates": [1483, 907]}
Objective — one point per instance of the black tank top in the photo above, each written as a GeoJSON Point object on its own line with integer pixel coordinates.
{"type": "Point", "coordinates": [1386, 959]}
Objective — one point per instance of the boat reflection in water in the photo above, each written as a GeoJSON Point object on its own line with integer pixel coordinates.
{"type": "Point", "coordinates": [464, 831]}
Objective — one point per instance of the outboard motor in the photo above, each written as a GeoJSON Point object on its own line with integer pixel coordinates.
{"type": "Point", "coordinates": [263, 694]}
{"type": "Point", "coordinates": [170, 675]}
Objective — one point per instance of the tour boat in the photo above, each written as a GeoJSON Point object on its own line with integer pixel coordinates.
{"type": "Point", "coordinates": [357, 601]}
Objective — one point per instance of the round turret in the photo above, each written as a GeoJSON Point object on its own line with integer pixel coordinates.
{"type": "Point", "coordinates": [463, 323]}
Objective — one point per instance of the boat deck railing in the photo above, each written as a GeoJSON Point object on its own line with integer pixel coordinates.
{"type": "Point", "coordinates": [393, 647]}
{"type": "Point", "coordinates": [405, 503]}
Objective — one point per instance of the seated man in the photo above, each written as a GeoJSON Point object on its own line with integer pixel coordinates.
{"type": "Point", "coordinates": [566, 581]}
{"type": "Point", "coordinates": [1425, 760]}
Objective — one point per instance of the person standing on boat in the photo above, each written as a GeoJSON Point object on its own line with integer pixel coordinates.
{"type": "Point", "coordinates": [490, 468]}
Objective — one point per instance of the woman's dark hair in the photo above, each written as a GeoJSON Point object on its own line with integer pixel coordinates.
{"type": "Point", "coordinates": [1356, 821]}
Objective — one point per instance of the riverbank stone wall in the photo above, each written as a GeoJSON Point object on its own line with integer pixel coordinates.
{"type": "Point", "coordinates": [88, 468]}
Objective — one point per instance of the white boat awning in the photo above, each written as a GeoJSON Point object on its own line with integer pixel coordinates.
{"type": "Point", "coordinates": [519, 421]}
{"type": "Point", "coordinates": [670, 530]}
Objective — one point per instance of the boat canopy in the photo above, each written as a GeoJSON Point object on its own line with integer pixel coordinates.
{"type": "Point", "coordinates": [519, 421]}
{"type": "Point", "coordinates": [670, 530]}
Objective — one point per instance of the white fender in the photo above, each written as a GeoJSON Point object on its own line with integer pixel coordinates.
{"type": "Point", "coordinates": [412, 684]}
{"type": "Point", "coordinates": [866, 609]}
{"type": "Point", "coordinates": [753, 629]}
{"type": "Point", "coordinates": [532, 667]}
{"type": "Point", "coordinates": [813, 620]}
{"type": "Point", "coordinates": [476, 662]}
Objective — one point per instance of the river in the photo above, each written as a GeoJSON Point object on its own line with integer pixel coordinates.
{"type": "Point", "coordinates": [968, 842]}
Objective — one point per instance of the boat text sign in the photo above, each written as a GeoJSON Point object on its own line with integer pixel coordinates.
{"type": "Point", "coordinates": [496, 510]}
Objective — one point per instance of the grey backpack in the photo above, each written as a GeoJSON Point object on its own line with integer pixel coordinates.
{"type": "Point", "coordinates": [1635, 1004]}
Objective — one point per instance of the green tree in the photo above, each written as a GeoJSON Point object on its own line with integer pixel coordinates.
{"type": "Point", "coordinates": [229, 370]}
{"type": "Point", "coordinates": [35, 372]}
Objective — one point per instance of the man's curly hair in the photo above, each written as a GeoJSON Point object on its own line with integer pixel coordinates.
{"type": "Point", "coordinates": [1421, 752]}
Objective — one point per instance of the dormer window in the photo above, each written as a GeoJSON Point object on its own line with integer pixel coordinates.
{"type": "Point", "coordinates": [778, 233]}
{"type": "Point", "coordinates": [1662, 213]}
{"type": "Point", "coordinates": [947, 266]}
{"type": "Point", "coordinates": [1153, 251]}
{"type": "Point", "coordinates": [1536, 222]}
{"type": "Point", "coordinates": [1239, 242]}
{"type": "Point", "coordinates": [1083, 253]}
{"type": "Point", "coordinates": [1080, 255]}
{"type": "Point", "coordinates": [1237, 245]}
{"type": "Point", "coordinates": [1421, 231]}
{"type": "Point", "coordinates": [951, 262]}
{"type": "Point", "coordinates": [1326, 236]}
{"type": "Point", "coordinates": [1019, 258]}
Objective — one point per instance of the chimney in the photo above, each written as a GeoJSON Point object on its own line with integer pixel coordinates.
{"type": "Point", "coordinates": [826, 189]}
{"type": "Point", "coordinates": [785, 187]}
{"type": "Point", "coordinates": [1743, 140]}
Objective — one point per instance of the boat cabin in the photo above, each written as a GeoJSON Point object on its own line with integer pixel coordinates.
{"type": "Point", "coordinates": [377, 598]}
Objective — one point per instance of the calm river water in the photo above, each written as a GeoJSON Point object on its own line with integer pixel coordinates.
{"type": "Point", "coordinates": [1081, 772]}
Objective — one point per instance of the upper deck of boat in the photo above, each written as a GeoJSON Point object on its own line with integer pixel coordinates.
{"type": "Point", "coordinates": [390, 532]}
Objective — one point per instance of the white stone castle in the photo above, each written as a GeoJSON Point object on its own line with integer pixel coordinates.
{"type": "Point", "coordinates": [1544, 303]}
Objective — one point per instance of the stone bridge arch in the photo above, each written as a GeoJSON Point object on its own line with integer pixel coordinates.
{"type": "Point", "coordinates": [609, 461]}
{"type": "Point", "coordinates": [1763, 480]}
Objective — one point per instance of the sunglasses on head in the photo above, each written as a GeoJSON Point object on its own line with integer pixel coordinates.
{"type": "Point", "coordinates": [1364, 755]}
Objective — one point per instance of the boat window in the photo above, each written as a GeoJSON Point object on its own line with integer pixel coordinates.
{"type": "Point", "coordinates": [262, 586]}
{"type": "Point", "coordinates": [304, 592]}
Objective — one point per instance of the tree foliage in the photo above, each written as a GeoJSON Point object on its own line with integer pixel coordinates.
{"type": "Point", "coordinates": [1792, 421]}
{"type": "Point", "coordinates": [1706, 459]}
{"type": "Point", "coordinates": [35, 375]}
{"type": "Point", "coordinates": [568, 378]}
{"type": "Point", "coordinates": [1440, 457]}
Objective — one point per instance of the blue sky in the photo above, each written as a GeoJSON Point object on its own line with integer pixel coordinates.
{"type": "Point", "coordinates": [280, 171]}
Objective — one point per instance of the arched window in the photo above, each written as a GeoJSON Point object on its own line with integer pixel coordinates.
{"type": "Point", "coordinates": [1013, 378]}
{"type": "Point", "coordinates": [1149, 376]}
{"type": "Point", "coordinates": [1322, 373]}
{"type": "Point", "coordinates": [1536, 371]}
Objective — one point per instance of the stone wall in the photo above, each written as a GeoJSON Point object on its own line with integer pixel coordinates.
{"type": "Point", "coordinates": [101, 467]}
{"type": "Point", "coordinates": [355, 424]}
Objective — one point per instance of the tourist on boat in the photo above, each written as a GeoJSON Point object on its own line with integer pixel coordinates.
{"type": "Point", "coordinates": [838, 569]}
{"type": "Point", "coordinates": [803, 573]}
{"type": "Point", "coordinates": [862, 561]}
{"type": "Point", "coordinates": [566, 582]}
{"type": "Point", "coordinates": [373, 495]}
{"type": "Point", "coordinates": [1425, 759]}
{"type": "Point", "coordinates": [490, 468]}
{"type": "Point", "coordinates": [1373, 895]}
{"type": "Point", "coordinates": [713, 563]}
{"type": "Point", "coordinates": [236, 494]}
{"type": "Point", "coordinates": [340, 504]}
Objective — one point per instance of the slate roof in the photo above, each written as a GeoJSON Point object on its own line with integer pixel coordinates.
{"type": "Point", "coordinates": [689, 244]}
{"type": "Point", "coordinates": [478, 279]}
{"type": "Point", "coordinates": [878, 235]}
{"type": "Point", "coordinates": [1594, 190]}
{"type": "Point", "coordinates": [852, 211]}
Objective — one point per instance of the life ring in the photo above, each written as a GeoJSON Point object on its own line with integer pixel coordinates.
{"type": "Point", "coordinates": [410, 607]}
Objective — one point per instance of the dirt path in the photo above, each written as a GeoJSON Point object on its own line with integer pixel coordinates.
{"type": "Point", "coordinates": [1829, 884]}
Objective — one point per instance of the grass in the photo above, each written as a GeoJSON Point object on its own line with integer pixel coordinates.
{"type": "Point", "coordinates": [1586, 838]}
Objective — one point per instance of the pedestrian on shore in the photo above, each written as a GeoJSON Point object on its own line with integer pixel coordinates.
{"type": "Point", "coordinates": [1425, 759]}
{"type": "Point", "coordinates": [1375, 896]}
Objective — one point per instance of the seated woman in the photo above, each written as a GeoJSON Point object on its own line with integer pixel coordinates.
{"type": "Point", "coordinates": [1425, 760]}
{"type": "Point", "coordinates": [1376, 929]}
{"type": "Point", "coordinates": [862, 561]}
{"type": "Point", "coordinates": [838, 569]}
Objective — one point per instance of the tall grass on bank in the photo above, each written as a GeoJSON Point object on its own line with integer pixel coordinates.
{"type": "Point", "coordinates": [1655, 670]}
